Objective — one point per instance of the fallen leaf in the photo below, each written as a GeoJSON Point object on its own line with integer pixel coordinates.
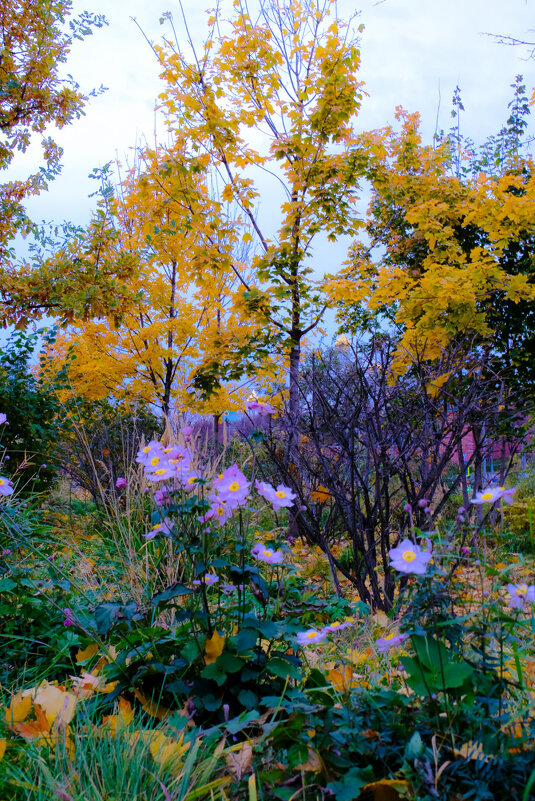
{"type": "Point", "coordinates": [56, 703]}
{"type": "Point", "coordinates": [87, 653]}
{"type": "Point", "coordinates": [342, 679]}
{"type": "Point", "coordinates": [19, 709]}
{"type": "Point", "coordinates": [213, 648]}
{"type": "Point", "coordinates": [239, 759]}
{"type": "Point", "coordinates": [3, 745]}
{"type": "Point", "coordinates": [152, 708]}
{"type": "Point", "coordinates": [123, 717]}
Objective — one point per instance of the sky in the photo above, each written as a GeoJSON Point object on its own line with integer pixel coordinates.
{"type": "Point", "coordinates": [414, 53]}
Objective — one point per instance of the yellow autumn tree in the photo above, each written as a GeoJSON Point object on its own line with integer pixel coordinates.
{"type": "Point", "coordinates": [272, 93]}
{"type": "Point", "coordinates": [183, 327]}
{"type": "Point", "coordinates": [434, 257]}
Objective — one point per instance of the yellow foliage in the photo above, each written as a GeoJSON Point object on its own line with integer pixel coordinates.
{"type": "Point", "coordinates": [214, 647]}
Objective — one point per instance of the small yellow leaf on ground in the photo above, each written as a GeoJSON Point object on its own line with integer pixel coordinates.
{"type": "Point", "coordinates": [88, 652]}
{"type": "Point", "coordinates": [19, 709]}
{"type": "Point", "coordinates": [167, 751]}
{"type": "Point", "coordinates": [152, 708]}
{"type": "Point", "coordinates": [382, 620]}
{"type": "Point", "coordinates": [213, 648]}
{"type": "Point", "coordinates": [123, 717]}
{"type": "Point", "coordinates": [3, 744]}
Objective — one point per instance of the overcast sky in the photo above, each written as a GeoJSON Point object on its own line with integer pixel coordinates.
{"type": "Point", "coordinates": [414, 52]}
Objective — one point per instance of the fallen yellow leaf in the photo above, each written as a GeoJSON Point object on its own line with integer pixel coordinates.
{"type": "Point", "coordinates": [88, 652]}
{"type": "Point", "coordinates": [151, 707]}
{"type": "Point", "coordinates": [123, 717]}
{"type": "Point", "coordinates": [3, 744]}
{"type": "Point", "coordinates": [213, 648]}
{"type": "Point", "coordinates": [18, 710]}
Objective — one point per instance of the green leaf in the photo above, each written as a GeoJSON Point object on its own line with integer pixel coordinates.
{"type": "Point", "coordinates": [245, 639]}
{"type": "Point", "coordinates": [281, 668]}
{"type": "Point", "coordinates": [109, 614]}
{"type": "Point", "coordinates": [248, 698]}
{"type": "Point", "coordinates": [213, 672]}
{"type": "Point", "coordinates": [174, 591]}
{"type": "Point", "coordinates": [229, 663]}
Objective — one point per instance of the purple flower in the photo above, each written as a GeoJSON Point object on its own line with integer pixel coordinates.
{"type": "Point", "coordinates": [186, 432]}
{"type": "Point", "coordinates": [407, 508]}
{"type": "Point", "coordinates": [150, 455]}
{"type": "Point", "coordinates": [69, 620]}
{"type": "Point", "coordinates": [461, 510]}
{"type": "Point", "coordinates": [121, 482]}
{"type": "Point", "coordinates": [165, 527]}
{"type": "Point", "coordinates": [162, 497]}
{"type": "Point", "coordinates": [460, 519]}
{"type": "Point", "coordinates": [268, 555]}
{"type": "Point", "coordinates": [280, 497]}
{"type": "Point", "coordinates": [219, 511]}
{"type": "Point", "coordinates": [409, 558]}
{"type": "Point", "coordinates": [337, 626]}
{"type": "Point", "coordinates": [390, 641]}
{"type": "Point", "coordinates": [232, 486]}
{"type": "Point", "coordinates": [423, 503]}
{"type": "Point", "coordinates": [228, 589]}
{"type": "Point", "coordinates": [310, 637]}
{"type": "Point", "coordinates": [208, 580]}
{"type": "Point", "coordinates": [465, 551]}
{"type": "Point", "coordinates": [520, 593]}
{"type": "Point", "coordinates": [3, 418]}
{"type": "Point", "coordinates": [5, 486]}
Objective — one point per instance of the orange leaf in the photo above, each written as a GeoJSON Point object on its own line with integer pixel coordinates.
{"type": "Point", "coordinates": [88, 652]}
{"type": "Point", "coordinates": [213, 648]}
{"type": "Point", "coordinates": [124, 716]}
{"type": "Point", "coordinates": [342, 679]}
{"type": "Point", "coordinates": [151, 707]}
{"type": "Point", "coordinates": [18, 710]}
{"type": "Point", "coordinates": [3, 744]}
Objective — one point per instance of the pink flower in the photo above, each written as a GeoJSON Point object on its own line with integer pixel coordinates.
{"type": "Point", "coordinates": [163, 472]}
{"type": "Point", "coordinates": [280, 497]}
{"type": "Point", "coordinates": [147, 454]}
{"type": "Point", "coordinates": [208, 580]}
{"type": "Point", "coordinates": [165, 527]}
{"type": "Point", "coordinates": [3, 418]}
{"type": "Point", "coordinates": [337, 626]}
{"type": "Point", "coordinates": [232, 486]}
{"type": "Point", "coordinates": [162, 497]}
{"type": "Point", "coordinates": [520, 593]}
{"type": "Point", "coordinates": [390, 641]}
{"type": "Point", "coordinates": [121, 482]}
{"type": "Point", "coordinates": [268, 555]}
{"type": "Point", "coordinates": [310, 637]}
{"type": "Point", "coordinates": [220, 511]}
{"type": "Point", "coordinates": [409, 558]}
{"type": "Point", "coordinates": [260, 407]}
{"type": "Point", "coordinates": [5, 486]}
{"type": "Point", "coordinates": [186, 432]}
